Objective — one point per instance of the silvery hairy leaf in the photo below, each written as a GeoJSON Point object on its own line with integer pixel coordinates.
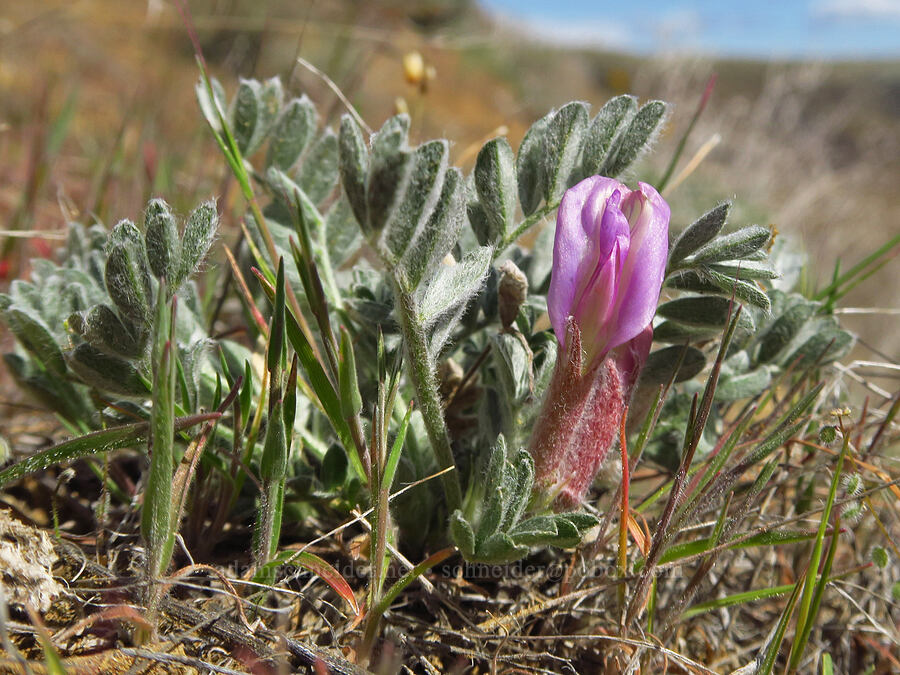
{"type": "Point", "coordinates": [496, 186]}
{"type": "Point", "coordinates": [606, 126]}
{"type": "Point", "coordinates": [197, 359]}
{"type": "Point", "coordinates": [198, 236]}
{"type": "Point", "coordinates": [453, 286]}
{"type": "Point", "coordinates": [662, 363]}
{"type": "Point", "coordinates": [562, 148]}
{"type": "Point", "coordinates": [462, 535]}
{"type": "Point", "coordinates": [820, 341]}
{"type": "Point", "coordinates": [318, 173]}
{"type": "Point", "coordinates": [105, 372]}
{"type": "Point", "coordinates": [495, 532]}
{"type": "Point", "coordinates": [500, 548]}
{"type": "Point", "coordinates": [271, 98]}
{"type": "Point", "coordinates": [23, 294]}
{"type": "Point", "coordinates": [211, 106]}
{"type": "Point", "coordinates": [390, 166]}
{"type": "Point", "coordinates": [551, 530]}
{"type": "Point", "coordinates": [734, 246]}
{"type": "Point", "coordinates": [415, 201]}
{"type": "Point", "coordinates": [504, 487]}
{"type": "Point", "coordinates": [513, 364]}
{"type": "Point", "coordinates": [102, 328]}
{"type": "Point", "coordinates": [162, 240]}
{"type": "Point", "coordinates": [253, 110]}
{"type": "Point", "coordinates": [435, 236]}
{"type": "Point", "coordinates": [56, 394]}
{"type": "Point", "coordinates": [478, 218]}
{"type": "Point", "coordinates": [34, 336]}
{"type": "Point", "coordinates": [492, 510]}
{"type": "Point", "coordinates": [709, 281]}
{"type": "Point", "coordinates": [746, 269]}
{"type": "Point", "coordinates": [530, 165]}
{"type": "Point", "coordinates": [712, 311]}
{"type": "Point", "coordinates": [354, 168]}
{"type": "Point", "coordinates": [780, 333]}
{"type": "Point", "coordinates": [636, 139]}
{"type": "Point", "coordinates": [127, 274]}
{"type": "Point", "coordinates": [245, 114]}
{"type": "Point", "coordinates": [673, 332]}
{"type": "Point", "coordinates": [698, 233]}
{"type": "Point", "coordinates": [737, 386]}
{"type": "Point", "coordinates": [517, 483]}
{"type": "Point", "coordinates": [342, 230]}
{"type": "Point", "coordinates": [292, 133]}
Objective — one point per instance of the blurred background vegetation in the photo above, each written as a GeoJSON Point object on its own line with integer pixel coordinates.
{"type": "Point", "coordinates": [98, 113]}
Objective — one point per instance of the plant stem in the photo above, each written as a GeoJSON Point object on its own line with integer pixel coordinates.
{"type": "Point", "coordinates": [525, 225]}
{"type": "Point", "coordinates": [381, 526]}
{"type": "Point", "coordinates": [622, 563]}
{"type": "Point", "coordinates": [421, 371]}
{"type": "Point", "coordinates": [707, 92]}
{"type": "Point", "coordinates": [404, 581]}
{"type": "Point", "coordinates": [270, 521]}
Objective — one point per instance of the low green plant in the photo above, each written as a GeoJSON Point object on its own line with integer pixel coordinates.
{"type": "Point", "coordinates": [405, 346]}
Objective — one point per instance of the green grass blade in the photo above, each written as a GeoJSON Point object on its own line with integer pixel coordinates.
{"type": "Point", "coordinates": [858, 268]}
{"type": "Point", "coordinates": [92, 444]}
{"type": "Point", "coordinates": [774, 538]}
{"type": "Point", "coordinates": [769, 652]}
{"type": "Point", "coordinates": [52, 661]}
{"type": "Point", "coordinates": [390, 469]}
{"type": "Point", "coordinates": [812, 591]}
{"type": "Point", "coordinates": [275, 350]}
{"type": "Point", "coordinates": [404, 581]}
{"type": "Point", "coordinates": [716, 463]}
{"type": "Point", "coordinates": [736, 599]}
{"type": "Point", "coordinates": [320, 384]}
{"type": "Point", "coordinates": [749, 596]}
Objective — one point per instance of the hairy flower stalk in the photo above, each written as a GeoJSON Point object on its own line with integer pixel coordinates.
{"type": "Point", "coordinates": [609, 259]}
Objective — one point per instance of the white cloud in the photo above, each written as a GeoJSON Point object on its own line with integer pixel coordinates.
{"type": "Point", "coordinates": [582, 33]}
{"type": "Point", "coordinates": [678, 28]}
{"type": "Point", "coordinates": [857, 9]}
{"type": "Point", "coordinates": [679, 22]}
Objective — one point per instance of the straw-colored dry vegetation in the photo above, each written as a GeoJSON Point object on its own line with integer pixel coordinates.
{"type": "Point", "coordinates": [98, 113]}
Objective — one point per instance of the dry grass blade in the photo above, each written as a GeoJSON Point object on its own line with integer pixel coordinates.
{"type": "Point", "coordinates": [697, 423]}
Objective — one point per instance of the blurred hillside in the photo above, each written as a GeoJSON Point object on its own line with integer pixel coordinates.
{"type": "Point", "coordinates": [98, 113]}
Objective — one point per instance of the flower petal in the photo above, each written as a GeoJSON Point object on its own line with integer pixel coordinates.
{"type": "Point", "coordinates": [645, 267]}
{"type": "Point", "coordinates": [598, 274]}
{"type": "Point", "coordinates": [596, 303]}
{"type": "Point", "coordinates": [578, 216]}
{"type": "Point", "coordinates": [631, 356]}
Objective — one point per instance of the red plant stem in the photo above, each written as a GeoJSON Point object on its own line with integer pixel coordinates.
{"type": "Point", "coordinates": [623, 523]}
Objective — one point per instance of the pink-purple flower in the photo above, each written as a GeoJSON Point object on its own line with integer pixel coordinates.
{"type": "Point", "coordinates": [609, 261]}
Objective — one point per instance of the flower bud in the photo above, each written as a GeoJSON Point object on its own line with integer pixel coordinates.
{"type": "Point", "coordinates": [609, 260]}
{"type": "Point", "coordinates": [511, 292]}
{"type": "Point", "coordinates": [413, 67]}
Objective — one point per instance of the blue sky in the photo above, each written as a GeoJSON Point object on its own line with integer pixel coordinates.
{"type": "Point", "coordinates": [829, 29]}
